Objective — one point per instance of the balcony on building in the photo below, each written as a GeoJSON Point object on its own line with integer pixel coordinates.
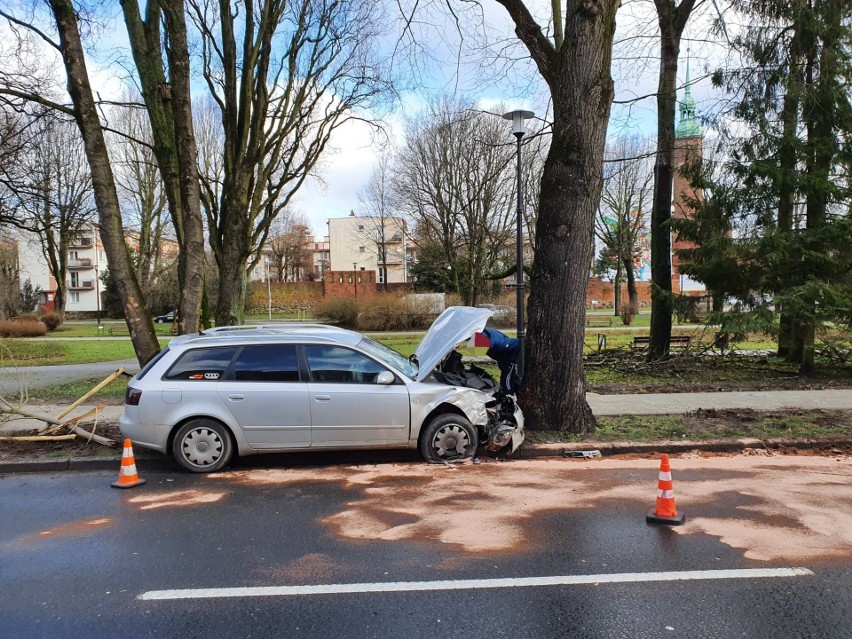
{"type": "Point", "coordinates": [80, 264]}
{"type": "Point", "coordinates": [81, 241]}
{"type": "Point", "coordinates": [84, 285]}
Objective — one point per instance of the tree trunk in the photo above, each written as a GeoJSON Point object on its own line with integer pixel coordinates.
{"type": "Point", "coordinates": [554, 386]}
{"type": "Point", "coordinates": [616, 290]}
{"type": "Point", "coordinates": [192, 251]}
{"type": "Point", "coordinates": [174, 139]}
{"type": "Point", "coordinates": [661, 213]}
{"type": "Point", "coordinates": [106, 198]}
{"type": "Point", "coordinates": [632, 293]}
{"type": "Point", "coordinates": [672, 21]}
{"type": "Point", "coordinates": [718, 302]}
{"type": "Point", "coordinates": [823, 147]}
{"type": "Point", "coordinates": [787, 161]}
{"type": "Point", "coordinates": [232, 258]}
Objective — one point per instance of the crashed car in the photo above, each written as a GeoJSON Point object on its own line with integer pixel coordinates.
{"type": "Point", "coordinates": [259, 389]}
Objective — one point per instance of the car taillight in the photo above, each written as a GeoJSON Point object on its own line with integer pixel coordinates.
{"type": "Point", "coordinates": [132, 396]}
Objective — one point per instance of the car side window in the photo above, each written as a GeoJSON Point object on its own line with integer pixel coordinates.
{"type": "Point", "coordinates": [268, 363]}
{"type": "Point", "coordinates": [340, 365]}
{"type": "Point", "coordinates": [202, 364]}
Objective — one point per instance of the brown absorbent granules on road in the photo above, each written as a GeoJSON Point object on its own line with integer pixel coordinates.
{"type": "Point", "coordinates": [791, 508]}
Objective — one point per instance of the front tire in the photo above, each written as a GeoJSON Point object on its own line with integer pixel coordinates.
{"type": "Point", "coordinates": [202, 446]}
{"type": "Point", "coordinates": [447, 438]}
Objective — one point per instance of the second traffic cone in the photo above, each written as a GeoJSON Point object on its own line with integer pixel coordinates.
{"type": "Point", "coordinates": [127, 475]}
{"type": "Point", "coordinates": [665, 511]}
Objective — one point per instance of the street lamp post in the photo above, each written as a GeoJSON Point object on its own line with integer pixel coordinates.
{"type": "Point", "coordinates": [518, 130]}
{"type": "Point", "coordinates": [95, 237]}
{"type": "Point", "coordinates": [268, 288]}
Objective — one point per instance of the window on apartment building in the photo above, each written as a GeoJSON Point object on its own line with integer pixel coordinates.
{"type": "Point", "coordinates": [72, 255]}
{"type": "Point", "coordinates": [360, 227]}
{"type": "Point", "coordinates": [75, 279]}
{"type": "Point", "coordinates": [361, 249]}
{"type": "Point", "coordinates": [382, 274]}
{"type": "Point", "coordinates": [75, 298]}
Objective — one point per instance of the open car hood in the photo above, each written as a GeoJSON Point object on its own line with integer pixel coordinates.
{"type": "Point", "coordinates": [454, 325]}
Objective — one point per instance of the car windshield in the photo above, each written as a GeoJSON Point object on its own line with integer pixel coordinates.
{"type": "Point", "coordinates": [388, 356]}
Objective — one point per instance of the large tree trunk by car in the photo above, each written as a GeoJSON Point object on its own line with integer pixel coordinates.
{"type": "Point", "coordinates": [554, 386]}
{"type": "Point", "coordinates": [110, 226]}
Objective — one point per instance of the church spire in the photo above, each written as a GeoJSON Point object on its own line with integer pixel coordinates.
{"type": "Point", "coordinates": [688, 126]}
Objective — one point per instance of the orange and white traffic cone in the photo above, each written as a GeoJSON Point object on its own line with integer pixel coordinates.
{"type": "Point", "coordinates": [665, 511]}
{"type": "Point", "coordinates": [127, 476]}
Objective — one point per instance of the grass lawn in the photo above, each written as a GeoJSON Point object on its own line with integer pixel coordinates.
{"type": "Point", "coordinates": [711, 424]}
{"type": "Point", "coordinates": [34, 352]}
{"type": "Point", "coordinates": [113, 393]}
{"type": "Point", "coordinates": [90, 329]}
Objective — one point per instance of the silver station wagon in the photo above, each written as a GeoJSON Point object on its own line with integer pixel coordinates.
{"type": "Point", "coordinates": [274, 388]}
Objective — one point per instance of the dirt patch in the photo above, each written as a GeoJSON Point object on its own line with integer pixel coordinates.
{"type": "Point", "coordinates": [78, 447]}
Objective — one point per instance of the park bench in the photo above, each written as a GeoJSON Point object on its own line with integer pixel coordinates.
{"type": "Point", "coordinates": [598, 321]}
{"type": "Point", "coordinates": [119, 330]}
{"type": "Point", "coordinates": [676, 341]}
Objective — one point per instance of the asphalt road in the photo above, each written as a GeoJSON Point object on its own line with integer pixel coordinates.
{"type": "Point", "coordinates": [80, 559]}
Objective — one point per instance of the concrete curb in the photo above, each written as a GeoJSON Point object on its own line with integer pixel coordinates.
{"type": "Point", "coordinates": [83, 463]}
{"type": "Point", "coordinates": [715, 446]}
{"type": "Point", "coordinates": [528, 451]}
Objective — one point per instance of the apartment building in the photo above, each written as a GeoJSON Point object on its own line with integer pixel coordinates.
{"type": "Point", "coordinates": [86, 263]}
{"type": "Point", "coordinates": [370, 244]}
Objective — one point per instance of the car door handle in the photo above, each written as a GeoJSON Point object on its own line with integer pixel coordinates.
{"type": "Point", "coordinates": [235, 397]}
{"type": "Point", "coordinates": [322, 398]}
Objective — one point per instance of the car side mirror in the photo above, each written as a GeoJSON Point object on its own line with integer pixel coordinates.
{"type": "Point", "coordinates": [385, 377]}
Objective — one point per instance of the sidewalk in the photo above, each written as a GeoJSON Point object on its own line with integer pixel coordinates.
{"type": "Point", "coordinates": [604, 405]}
{"type": "Point", "coordinates": [680, 403]}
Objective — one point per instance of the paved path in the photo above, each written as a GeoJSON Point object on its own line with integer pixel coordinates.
{"type": "Point", "coordinates": [11, 379]}
{"type": "Point", "coordinates": [680, 403]}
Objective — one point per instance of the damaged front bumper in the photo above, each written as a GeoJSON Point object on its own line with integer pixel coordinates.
{"type": "Point", "coordinates": [506, 426]}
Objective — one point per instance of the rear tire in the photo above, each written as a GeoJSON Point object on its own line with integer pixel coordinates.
{"type": "Point", "coordinates": [447, 438]}
{"type": "Point", "coordinates": [202, 446]}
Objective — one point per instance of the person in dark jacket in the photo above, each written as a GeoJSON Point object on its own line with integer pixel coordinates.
{"type": "Point", "coordinates": [504, 350]}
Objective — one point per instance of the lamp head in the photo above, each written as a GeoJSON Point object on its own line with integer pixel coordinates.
{"type": "Point", "coordinates": [518, 118]}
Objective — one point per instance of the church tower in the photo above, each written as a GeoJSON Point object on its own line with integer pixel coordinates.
{"type": "Point", "coordinates": [688, 147]}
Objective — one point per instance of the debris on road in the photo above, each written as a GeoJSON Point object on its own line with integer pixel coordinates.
{"type": "Point", "coordinates": [53, 425]}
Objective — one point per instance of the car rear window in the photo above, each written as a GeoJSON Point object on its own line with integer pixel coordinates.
{"type": "Point", "coordinates": [151, 363]}
{"type": "Point", "coordinates": [202, 364]}
{"type": "Point", "coordinates": [268, 363]}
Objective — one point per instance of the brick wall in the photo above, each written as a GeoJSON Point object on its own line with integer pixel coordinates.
{"type": "Point", "coordinates": [349, 284]}
{"type": "Point", "coordinates": [604, 293]}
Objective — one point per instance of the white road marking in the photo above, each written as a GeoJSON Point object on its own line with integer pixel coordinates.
{"type": "Point", "coordinates": [471, 584]}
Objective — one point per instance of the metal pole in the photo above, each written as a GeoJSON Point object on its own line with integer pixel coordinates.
{"type": "Point", "coordinates": [269, 288]}
{"type": "Point", "coordinates": [519, 273]}
{"type": "Point", "coordinates": [95, 237]}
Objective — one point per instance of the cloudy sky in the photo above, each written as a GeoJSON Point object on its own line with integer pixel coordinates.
{"type": "Point", "coordinates": [483, 63]}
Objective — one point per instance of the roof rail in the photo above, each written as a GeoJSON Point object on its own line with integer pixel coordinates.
{"type": "Point", "coordinates": [278, 328]}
